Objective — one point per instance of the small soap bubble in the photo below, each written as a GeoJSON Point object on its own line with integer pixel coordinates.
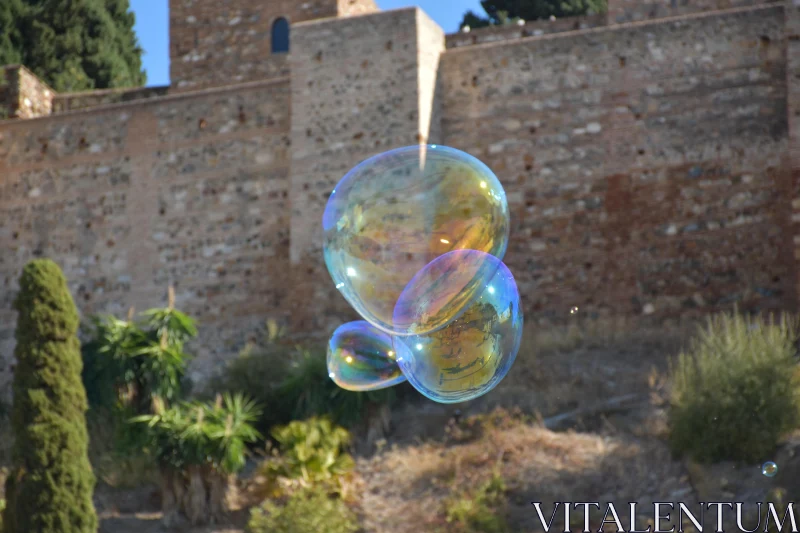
{"type": "Point", "coordinates": [769, 469]}
{"type": "Point", "coordinates": [471, 354]}
{"type": "Point", "coordinates": [396, 212]}
{"type": "Point", "coordinates": [573, 310]}
{"type": "Point", "coordinates": [362, 358]}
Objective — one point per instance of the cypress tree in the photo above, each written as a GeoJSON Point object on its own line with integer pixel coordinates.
{"type": "Point", "coordinates": [49, 488]}
{"type": "Point", "coordinates": [73, 45]}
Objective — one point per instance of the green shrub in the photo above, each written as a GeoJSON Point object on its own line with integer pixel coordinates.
{"type": "Point", "coordinates": [311, 392]}
{"type": "Point", "coordinates": [310, 510]}
{"type": "Point", "coordinates": [199, 447]}
{"type": "Point", "coordinates": [128, 364]}
{"type": "Point", "coordinates": [203, 434]}
{"type": "Point", "coordinates": [310, 451]}
{"type": "Point", "coordinates": [258, 373]}
{"type": "Point", "coordinates": [294, 383]}
{"type": "Point", "coordinates": [50, 483]}
{"type": "Point", "coordinates": [735, 392]}
{"type": "Point", "coordinates": [480, 512]}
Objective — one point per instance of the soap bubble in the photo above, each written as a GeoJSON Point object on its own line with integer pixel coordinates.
{"type": "Point", "coordinates": [362, 358]}
{"type": "Point", "coordinates": [396, 212]}
{"type": "Point", "coordinates": [769, 469]}
{"type": "Point", "coordinates": [471, 354]}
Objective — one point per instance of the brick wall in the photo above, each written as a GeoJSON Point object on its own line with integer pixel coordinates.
{"type": "Point", "coordinates": [360, 86]}
{"type": "Point", "coordinates": [793, 112]}
{"type": "Point", "coordinates": [130, 198]}
{"type": "Point", "coordinates": [644, 164]}
{"type": "Point", "coordinates": [534, 28]}
{"type": "Point", "coordinates": [650, 167]}
{"type": "Point", "coordinates": [348, 8]}
{"type": "Point", "coordinates": [620, 11]}
{"type": "Point", "coordinates": [64, 102]}
{"type": "Point", "coordinates": [26, 95]}
{"type": "Point", "coordinates": [216, 43]}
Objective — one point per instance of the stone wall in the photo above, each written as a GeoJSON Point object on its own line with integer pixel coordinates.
{"type": "Point", "coordinates": [793, 112]}
{"type": "Point", "coordinates": [644, 164]}
{"type": "Point", "coordinates": [651, 169]}
{"type": "Point", "coordinates": [534, 28]}
{"type": "Point", "coordinates": [620, 11]}
{"type": "Point", "coordinates": [360, 86]}
{"type": "Point", "coordinates": [185, 190]}
{"type": "Point", "coordinates": [26, 96]}
{"type": "Point", "coordinates": [65, 102]}
{"type": "Point", "coordinates": [348, 8]}
{"type": "Point", "coordinates": [216, 43]}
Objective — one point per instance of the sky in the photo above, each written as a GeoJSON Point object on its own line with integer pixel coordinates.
{"type": "Point", "coordinates": [152, 27]}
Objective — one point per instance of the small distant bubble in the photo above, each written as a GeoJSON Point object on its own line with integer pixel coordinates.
{"type": "Point", "coordinates": [769, 469]}
{"type": "Point", "coordinates": [573, 310]}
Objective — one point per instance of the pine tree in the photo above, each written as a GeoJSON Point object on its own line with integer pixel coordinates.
{"type": "Point", "coordinates": [49, 488]}
{"type": "Point", "coordinates": [501, 12]}
{"type": "Point", "coordinates": [73, 45]}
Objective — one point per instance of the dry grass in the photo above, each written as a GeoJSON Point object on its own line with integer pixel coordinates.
{"type": "Point", "coordinates": [405, 486]}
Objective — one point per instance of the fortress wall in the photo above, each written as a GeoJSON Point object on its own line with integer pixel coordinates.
{"type": "Point", "coordinates": [348, 8]}
{"type": "Point", "coordinates": [357, 88]}
{"type": "Point", "coordinates": [534, 28]}
{"type": "Point", "coordinates": [793, 83]}
{"type": "Point", "coordinates": [26, 95]}
{"type": "Point", "coordinates": [620, 11]}
{"type": "Point", "coordinates": [64, 102]}
{"type": "Point", "coordinates": [215, 43]}
{"type": "Point", "coordinates": [189, 190]}
{"type": "Point", "coordinates": [644, 164]}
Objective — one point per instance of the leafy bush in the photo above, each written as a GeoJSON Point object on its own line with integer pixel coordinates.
{"type": "Point", "coordinates": [129, 364]}
{"type": "Point", "coordinates": [310, 510]}
{"type": "Point", "coordinates": [310, 451]}
{"type": "Point", "coordinates": [50, 484]}
{"type": "Point", "coordinates": [203, 434]}
{"type": "Point", "coordinates": [479, 512]}
{"type": "Point", "coordinates": [294, 383]}
{"type": "Point", "coordinates": [199, 446]}
{"type": "Point", "coordinates": [735, 392]}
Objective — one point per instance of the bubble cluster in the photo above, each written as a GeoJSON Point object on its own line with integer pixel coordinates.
{"type": "Point", "coordinates": [362, 358]}
{"type": "Point", "coordinates": [414, 239]}
{"type": "Point", "coordinates": [769, 469]}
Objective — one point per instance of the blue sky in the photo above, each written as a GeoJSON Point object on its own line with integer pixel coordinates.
{"type": "Point", "coordinates": [152, 27]}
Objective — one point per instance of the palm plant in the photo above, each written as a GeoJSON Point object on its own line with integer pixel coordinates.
{"type": "Point", "coordinates": [200, 447]}
{"type": "Point", "coordinates": [131, 364]}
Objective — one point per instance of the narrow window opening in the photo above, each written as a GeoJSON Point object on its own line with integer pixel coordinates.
{"type": "Point", "coordinates": [280, 36]}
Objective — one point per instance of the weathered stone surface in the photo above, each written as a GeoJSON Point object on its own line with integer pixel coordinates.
{"type": "Point", "coordinates": [651, 167]}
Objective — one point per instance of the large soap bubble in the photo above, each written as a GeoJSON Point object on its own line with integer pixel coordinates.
{"type": "Point", "coordinates": [396, 212]}
{"type": "Point", "coordinates": [362, 358]}
{"type": "Point", "coordinates": [471, 354]}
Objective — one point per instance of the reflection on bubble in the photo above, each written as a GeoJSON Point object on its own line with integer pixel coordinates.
{"type": "Point", "coordinates": [362, 358]}
{"type": "Point", "coordinates": [470, 355]}
{"type": "Point", "coordinates": [769, 469]}
{"type": "Point", "coordinates": [398, 211]}
{"type": "Point", "coordinates": [443, 289]}
{"type": "Point", "coordinates": [573, 310]}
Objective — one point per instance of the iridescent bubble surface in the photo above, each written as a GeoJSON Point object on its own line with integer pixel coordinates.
{"type": "Point", "coordinates": [471, 354]}
{"type": "Point", "coordinates": [396, 212]}
{"type": "Point", "coordinates": [362, 358]}
{"type": "Point", "coordinates": [769, 469]}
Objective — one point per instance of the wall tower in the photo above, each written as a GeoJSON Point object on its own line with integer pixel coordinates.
{"type": "Point", "coordinates": [215, 42]}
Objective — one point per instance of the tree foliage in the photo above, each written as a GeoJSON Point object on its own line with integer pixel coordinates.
{"type": "Point", "coordinates": [73, 45]}
{"type": "Point", "coordinates": [49, 488]}
{"type": "Point", "coordinates": [499, 12]}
